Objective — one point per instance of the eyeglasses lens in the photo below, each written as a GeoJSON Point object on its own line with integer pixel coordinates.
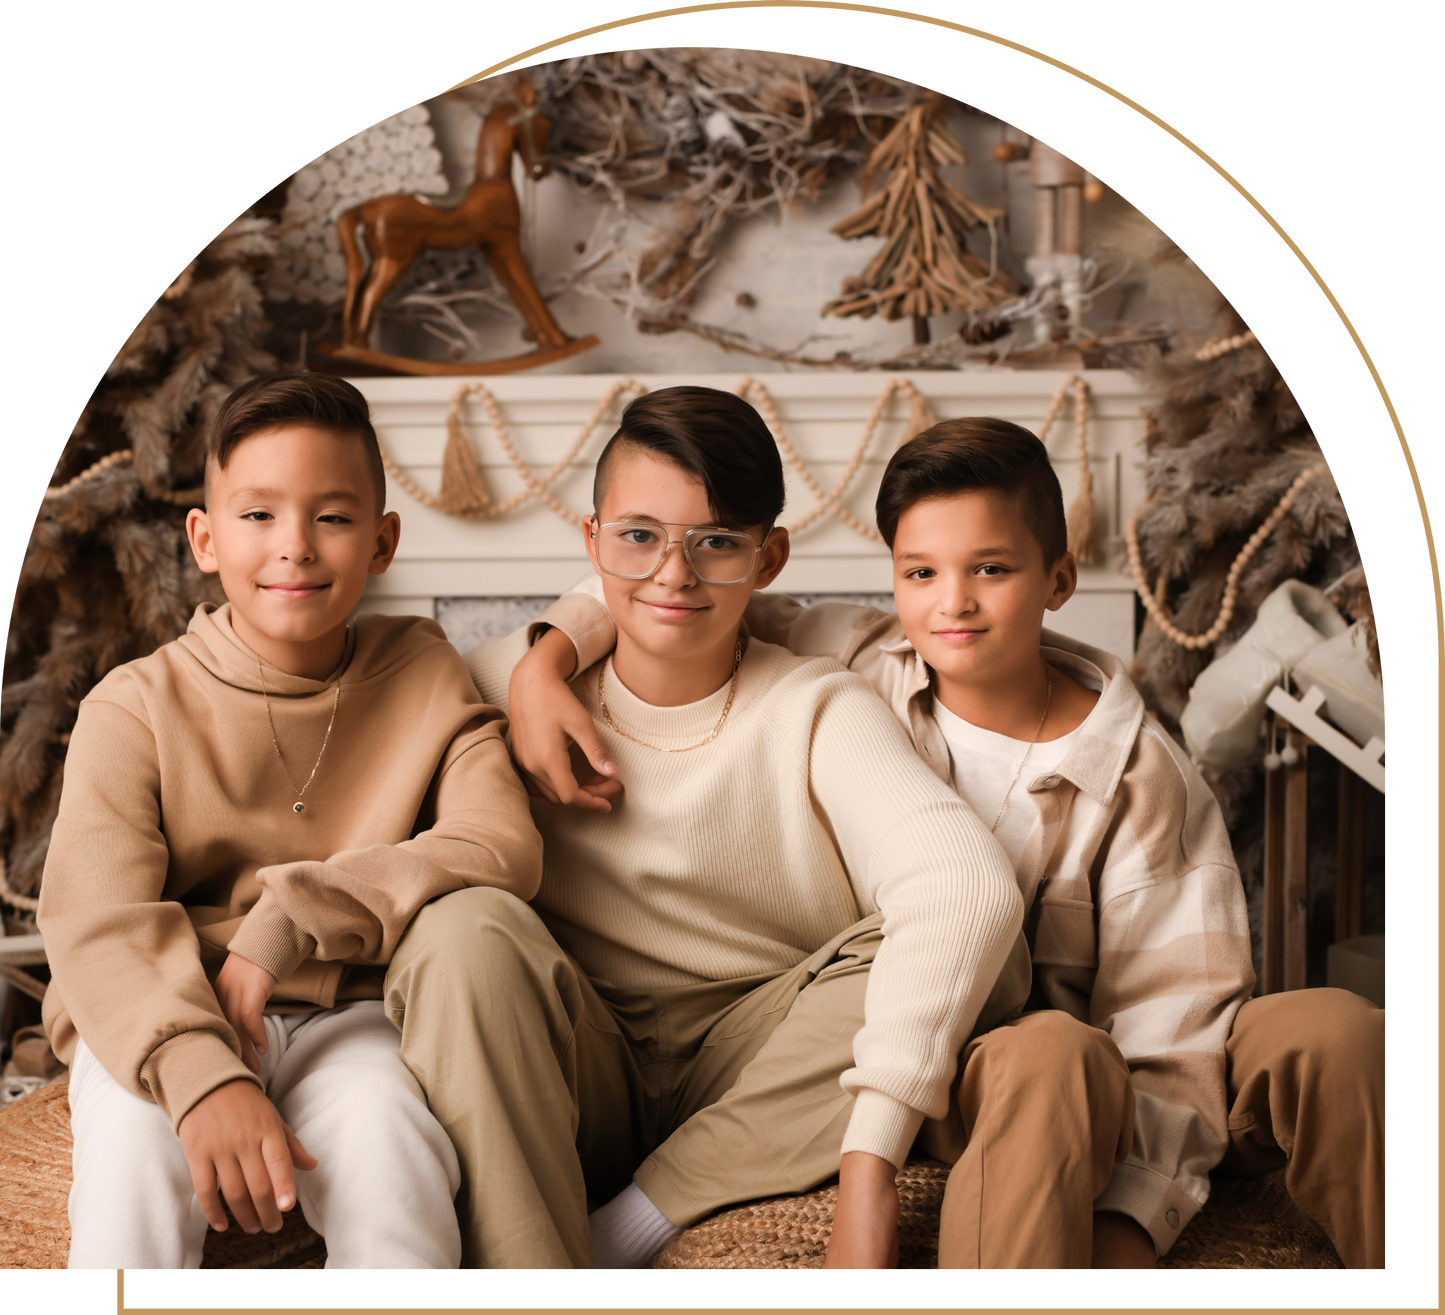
{"type": "Point", "coordinates": [635, 550]}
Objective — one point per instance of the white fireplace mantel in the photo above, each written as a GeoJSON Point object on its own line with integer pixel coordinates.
{"type": "Point", "coordinates": [532, 553]}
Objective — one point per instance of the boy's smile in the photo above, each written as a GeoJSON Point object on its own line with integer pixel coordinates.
{"type": "Point", "coordinates": [294, 589]}
{"type": "Point", "coordinates": [292, 527]}
{"type": "Point", "coordinates": [971, 588]}
{"type": "Point", "coordinates": [675, 633]}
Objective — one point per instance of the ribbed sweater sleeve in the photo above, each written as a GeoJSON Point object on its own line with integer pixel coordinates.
{"type": "Point", "coordinates": [951, 907]}
{"type": "Point", "coordinates": [124, 960]}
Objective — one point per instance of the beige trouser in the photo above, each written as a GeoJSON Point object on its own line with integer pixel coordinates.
{"type": "Point", "coordinates": [555, 1091]}
{"type": "Point", "coordinates": [1307, 1090]}
{"type": "Point", "coordinates": [1047, 1108]}
{"type": "Point", "coordinates": [1046, 1111]}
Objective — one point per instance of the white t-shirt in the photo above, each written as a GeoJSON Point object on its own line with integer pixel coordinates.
{"type": "Point", "coordinates": [984, 763]}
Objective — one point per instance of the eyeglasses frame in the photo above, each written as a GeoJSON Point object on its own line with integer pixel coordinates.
{"type": "Point", "coordinates": [598, 526]}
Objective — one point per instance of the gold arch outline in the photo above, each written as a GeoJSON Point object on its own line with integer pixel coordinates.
{"type": "Point", "coordinates": [1122, 99]}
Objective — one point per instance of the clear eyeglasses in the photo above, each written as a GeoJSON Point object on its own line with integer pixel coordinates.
{"type": "Point", "coordinates": [633, 550]}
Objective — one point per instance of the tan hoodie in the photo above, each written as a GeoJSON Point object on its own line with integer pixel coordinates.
{"type": "Point", "coordinates": [176, 838]}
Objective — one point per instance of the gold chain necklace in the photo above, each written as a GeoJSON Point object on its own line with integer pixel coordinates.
{"type": "Point", "coordinates": [711, 735]}
{"type": "Point", "coordinates": [298, 806]}
{"type": "Point", "coordinates": [1038, 730]}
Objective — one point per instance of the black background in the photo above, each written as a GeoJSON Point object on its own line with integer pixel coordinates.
{"type": "Point", "coordinates": [140, 136]}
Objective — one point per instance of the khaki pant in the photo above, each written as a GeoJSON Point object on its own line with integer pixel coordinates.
{"type": "Point", "coordinates": [1307, 1091]}
{"type": "Point", "coordinates": [557, 1093]}
{"type": "Point", "coordinates": [1046, 1109]}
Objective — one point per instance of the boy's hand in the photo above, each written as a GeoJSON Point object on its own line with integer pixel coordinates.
{"type": "Point", "coordinates": [548, 723]}
{"type": "Point", "coordinates": [865, 1223]}
{"type": "Point", "coordinates": [234, 1137]}
{"type": "Point", "coordinates": [243, 989]}
{"type": "Point", "coordinates": [1121, 1243]}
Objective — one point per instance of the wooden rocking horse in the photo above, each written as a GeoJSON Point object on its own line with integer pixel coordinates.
{"type": "Point", "coordinates": [397, 228]}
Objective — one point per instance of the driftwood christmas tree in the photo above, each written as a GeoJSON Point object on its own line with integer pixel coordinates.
{"type": "Point", "coordinates": [923, 267]}
{"type": "Point", "coordinates": [108, 575]}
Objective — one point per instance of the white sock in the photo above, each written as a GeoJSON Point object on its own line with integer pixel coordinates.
{"type": "Point", "coordinates": [628, 1231]}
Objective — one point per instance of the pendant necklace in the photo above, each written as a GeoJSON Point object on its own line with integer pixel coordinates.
{"type": "Point", "coordinates": [687, 748]}
{"type": "Point", "coordinates": [1048, 696]}
{"type": "Point", "coordinates": [298, 806]}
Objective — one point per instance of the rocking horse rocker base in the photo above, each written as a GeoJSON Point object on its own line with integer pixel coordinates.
{"type": "Point", "coordinates": [410, 365]}
{"type": "Point", "coordinates": [382, 237]}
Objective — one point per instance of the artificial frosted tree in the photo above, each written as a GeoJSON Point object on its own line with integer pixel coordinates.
{"type": "Point", "coordinates": [108, 575]}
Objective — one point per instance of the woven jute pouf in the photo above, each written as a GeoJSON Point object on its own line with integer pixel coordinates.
{"type": "Point", "coordinates": [791, 1232]}
{"type": "Point", "coordinates": [1249, 1223]}
{"type": "Point", "coordinates": [35, 1185]}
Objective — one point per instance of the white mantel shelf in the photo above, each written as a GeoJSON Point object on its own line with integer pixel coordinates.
{"type": "Point", "coordinates": [533, 553]}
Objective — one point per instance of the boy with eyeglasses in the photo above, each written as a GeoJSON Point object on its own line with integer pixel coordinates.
{"type": "Point", "coordinates": [1135, 914]}
{"type": "Point", "coordinates": [762, 963]}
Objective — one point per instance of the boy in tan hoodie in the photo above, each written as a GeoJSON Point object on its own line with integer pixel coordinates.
{"type": "Point", "coordinates": [250, 818]}
{"type": "Point", "coordinates": [1135, 913]}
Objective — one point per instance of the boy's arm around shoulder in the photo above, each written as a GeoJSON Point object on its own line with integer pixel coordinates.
{"type": "Point", "coordinates": [845, 631]}
{"type": "Point", "coordinates": [125, 965]}
{"type": "Point", "coordinates": [356, 905]}
{"type": "Point", "coordinates": [917, 853]}
{"type": "Point", "coordinates": [836, 630]}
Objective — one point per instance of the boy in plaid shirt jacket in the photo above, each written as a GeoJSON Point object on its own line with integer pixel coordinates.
{"type": "Point", "coordinates": [1142, 1063]}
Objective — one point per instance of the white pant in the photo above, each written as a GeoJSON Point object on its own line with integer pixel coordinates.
{"type": "Point", "coordinates": [381, 1194]}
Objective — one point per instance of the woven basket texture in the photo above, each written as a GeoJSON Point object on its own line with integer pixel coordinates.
{"type": "Point", "coordinates": [1249, 1223]}
{"type": "Point", "coordinates": [35, 1182]}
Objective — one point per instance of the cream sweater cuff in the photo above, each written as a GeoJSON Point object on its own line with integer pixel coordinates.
{"type": "Point", "coordinates": [270, 940]}
{"type": "Point", "coordinates": [882, 1126]}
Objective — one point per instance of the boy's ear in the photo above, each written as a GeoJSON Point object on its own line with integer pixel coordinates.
{"type": "Point", "coordinates": [774, 556]}
{"type": "Point", "coordinates": [1064, 576]}
{"type": "Point", "coordinates": [198, 532]}
{"type": "Point", "coordinates": [589, 542]}
{"type": "Point", "coordinates": [388, 536]}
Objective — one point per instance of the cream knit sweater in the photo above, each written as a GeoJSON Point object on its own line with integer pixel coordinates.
{"type": "Point", "coordinates": [809, 812]}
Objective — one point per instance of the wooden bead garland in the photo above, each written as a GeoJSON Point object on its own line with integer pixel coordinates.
{"type": "Point", "coordinates": [1082, 541]}
{"type": "Point", "coordinates": [1153, 597]}
{"type": "Point", "coordinates": [1223, 346]}
{"type": "Point", "coordinates": [920, 418]}
{"type": "Point", "coordinates": [181, 497]}
{"type": "Point", "coordinates": [121, 458]}
{"type": "Point", "coordinates": [464, 491]}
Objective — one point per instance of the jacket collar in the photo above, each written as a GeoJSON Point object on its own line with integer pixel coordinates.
{"type": "Point", "coordinates": [1100, 752]}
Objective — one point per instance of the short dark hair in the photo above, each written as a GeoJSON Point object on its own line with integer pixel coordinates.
{"type": "Point", "coordinates": [714, 435]}
{"type": "Point", "coordinates": [294, 398]}
{"type": "Point", "coordinates": [977, 453]}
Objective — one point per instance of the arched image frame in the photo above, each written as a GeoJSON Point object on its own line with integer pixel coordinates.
{"type": "Point", "coordinates": [1104, 88]}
